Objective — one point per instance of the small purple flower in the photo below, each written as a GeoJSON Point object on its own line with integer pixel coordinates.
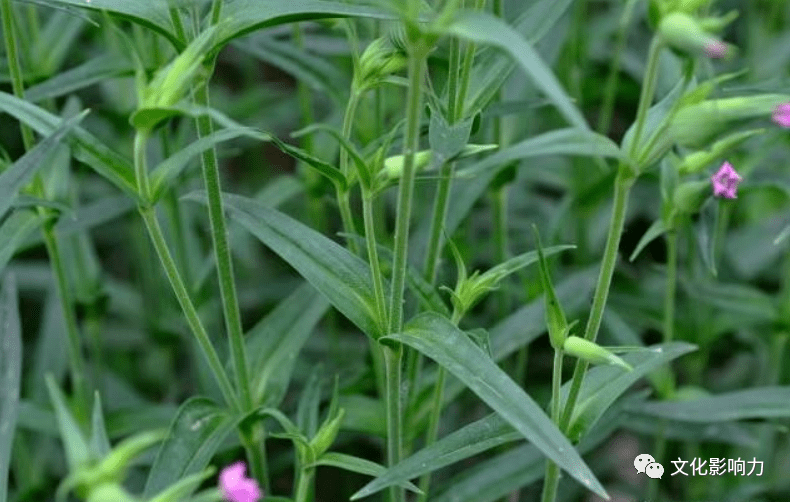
{"type": "Point", "coordinates": [781, 115]}
{"type": "Point", "coordinates": [237, 488]}
{"type": "Point", "coordinates": [725, 181]}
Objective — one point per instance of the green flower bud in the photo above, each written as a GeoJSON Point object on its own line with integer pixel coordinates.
{"type": "Point", "coordinates": [171, 83]}
{"type": "Point", "coordinates": [698, 161]}
{"type": "Point", "coordinates": [394, 166]}
{"type": "Point", "coordinates": [592, 352]}
{"type": "Point", "coordinates": [690, 196]}
{"type": "Point", "coordinates": [553, 312]}
{"type": "Point", "coordinates": [326, 435]}
{"type": "Point", "coordinates": [686, 34]}
{"type": "Point", "coordinates": [379, 60]}
{"type": "Point", "coordinates": [112, 468]}
{"type": "Point", "coordinates": [696, 125]}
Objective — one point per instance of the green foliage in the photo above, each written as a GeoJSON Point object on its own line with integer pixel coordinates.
{"type": "Point", "coordinates": [291, 123]}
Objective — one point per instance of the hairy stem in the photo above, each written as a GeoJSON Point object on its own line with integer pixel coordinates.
{"type": "Point", "coordinates": [392, 358]}
{"type": "Point", "coordinates": [646, 93]}
{"type": "Point", "coordinates": [552, 471]}
{"type": "Point", "coordinates": [304, 481]}
{"type": "Point", "coordinates": [373, 259]}
{"type": "Point", "coordinates": [393, 355]}
{"type": "Point", "coordinates": [191, 314]}
{"type": "Point", "coordinates": [343, 196]}
{"type": "Point", "coordinates": [222, 255]}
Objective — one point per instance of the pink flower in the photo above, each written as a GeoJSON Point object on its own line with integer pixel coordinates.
{"type": "Point", "coordinates": [725, 181]}
{"type": "Point", "coordinates": [716, 49]}
{"type": "Point", "coordinates": [780, 115]}
{"type": "Point", "coordinates": [235, 487]}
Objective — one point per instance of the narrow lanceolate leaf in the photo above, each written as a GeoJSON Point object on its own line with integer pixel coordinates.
{"type": "Point", "coordinates": [496, 477]}
{"type": "Point", "coordinates": [13, 232]}
{"type": "Point", "coordinates": [243, 16]}
{"type": "Point", "coordinates": [570, 141]}
{"type": "Point", "coordinates": [74, 441]}
{"type": "Point", "coordinates": [489, 75]}
{"type": "Point", "coordinates": [174, 165]}
{"type": "Point", "coordinates": [91, 72]}
{"type": "Point", "coordinates": [86, 147]}
{"type": "Point", "coordinates": [470, 440]}
{"type": "Point", "coordinates": [759, 402]}
{"type": "Point", "coordinates": [99, 442]}
{"type": "Point", "coordinates": [656, 229]}
{"type": "Point", "coordinates": [194, 435]}
{"type": "Point", "coordinates": [439, 339]}
{"type": "Point", "coordinates": [604, 384]}
{"type": "Point", "coordinates": [21, 172]}
{"type": "Point", "coordinates": [275, 342]}
{"type": "Point", "coordinates": [339, 275]}
{"type": "Point", "coordinates": [484, 28]}
{"type": "Point", "coordinates": [317, 72]}
{"type": "Point", "coordinates": [10, 376]}
{"type": "Point", "coordinates": [152, 14]}
{"type": "Point", "coordinates": [358, 465]}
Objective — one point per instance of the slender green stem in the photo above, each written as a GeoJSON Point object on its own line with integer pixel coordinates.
{"type": "Point", "coordinates": [500, 217]}
{"type": "Point", "coordinates": [405, 190]}
{"type": "Point", "coordinates": [191, 314]}
{"type": "Point", "coordinates": [176, 221]}
{"type": "Point", "coordinates": [14, 66]}
{"type": "Point", "coordinates": [222, 255]}
{"type": "Point", "coordinates": [552, 471]}
{"type": "Point", "coordinates": [76, 361]}
{"type": "Point", "coordinates": [178, 26]}
{"type": "Point", "coordinates": [216, 11]}
{"type": "Point", "coordinates": [343, 196]}
{"type": "Point", "coordinates": [466, 68]}
{"type": "Point", "coordinates": [392, 357]}
{"type": "Point", "coordinates": [454, 63]}
{"type": "Point", "coordinates": [440, 213]}
{"type": "Point", "coordinates": [141, 165]}
{"type": "Point", "coordinates": [646, 93]}
{"type": "Point", "coordinates": [373, 259]}
{"type": "Point", "coordinates": [315, 204]}
{"type": "Point", "coordinates": [255, 446]}
{"type": "Point", "coordinates": [660, 445]}
{"type": "Point", "coordinates": [670, 286]}
{"type": "Point", "coordinates": [623, 184]}
{"type": "Point", "coordinates": [436, 413]}
{"type": "Point", "coordinates": [304, 481]}
{"type": "Point", "coordinates": [611, 86]}
{"type": "Point", "coordinates": [414, 362]}
{"type": "Point", "coordinates": [669, 320]}
{"type": "Point", "coordinates": [433, 427]}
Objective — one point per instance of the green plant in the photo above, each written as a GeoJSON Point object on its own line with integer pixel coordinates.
{"type": "Point", "coordinates": [426, 137]}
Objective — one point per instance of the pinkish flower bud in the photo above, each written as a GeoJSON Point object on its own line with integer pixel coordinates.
{"type": "Point", "coordinates": [780, 116]}
{"type": "Point", "coordinates": [725, 181]}
{"type": "Point", "coordinates": [716, 49]}
{"type": "Point", "coordinates": [687, 34]}
{"type": "Point", "coordinates": [235, 487]}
